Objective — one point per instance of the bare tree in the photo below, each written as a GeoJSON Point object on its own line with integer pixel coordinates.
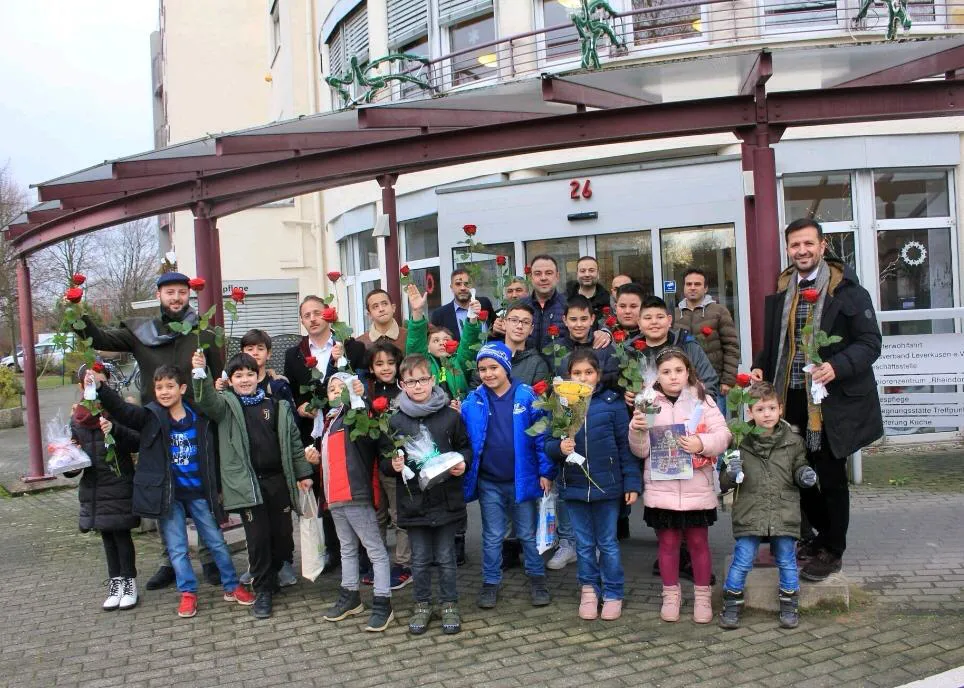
{"type": "Point", "coordinates": [13, 200]}
{"type": "Point", "coordinates": [126, 266]}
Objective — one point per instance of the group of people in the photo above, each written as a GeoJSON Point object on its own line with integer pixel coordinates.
{"type": "Point", "coordinates": [471, 382]}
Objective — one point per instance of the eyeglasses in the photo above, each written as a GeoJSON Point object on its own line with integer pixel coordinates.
{"type": "Point", "coordinates": [412, 384]}
{"type": "Point", "coordinates": [515, 322]}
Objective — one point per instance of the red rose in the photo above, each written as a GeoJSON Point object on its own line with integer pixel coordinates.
{"type": "Point", "coordinates": [78, 279]}
{"type": "Point", "coordinates": [329, 315]}
{"type": "Point", "coordinates": [639, 345]}
{"type": "Point", "coordinates": [334, 275]}
{"type": "Point", "coordinates": [469, 230]}
{"type": "Point", "coordinates": [552, 330]}
{"type": "Point", "coordinates": [74, 294]}
{"type": "Point", "coordinates": [380, 405]}
{"type": "Point", "coordinates": [606, 310]}
{"type": "Point", "coordinates": [98, 367]}
{"type": "Point", "coordinates": [311, 361]}
{"type": "Point", "coordinates": [706, 330]}
{"type": "Point", "coordinates": [810, 295]}
{"type": "Point", "coordinates": [527, 269]}
{"type": "Point", "coordinates": [238, 294]}
{"type": "Point", "coordinates": [196, 283]}
{"type": "Point", "coordinates": [541, 387]}
{"type": "Point", "coordinates": [619, 336]}
{"type": "Point", "coordinates": [743, 380]}
{"type": "Point", "coordinates": [483, 315]}
{"type": "Point", "coordinates": [500, 260]}
{"type": "Point", "coordinates": [611, 321]}
{"type": "Point", "coordinates": [451, 346]}
{"type": "Point", "coordinates": [405, 270]}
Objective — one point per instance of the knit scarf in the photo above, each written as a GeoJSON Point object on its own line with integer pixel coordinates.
{"type": "Point", "coordinates": [420, 409]}
{"type": "Point", "coordinates": [252, 399]}
{"type": "Point", "coordinates": [788, 347]}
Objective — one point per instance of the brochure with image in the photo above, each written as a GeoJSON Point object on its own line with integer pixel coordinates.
{"type": "Point", "coordinates": [667, 460]}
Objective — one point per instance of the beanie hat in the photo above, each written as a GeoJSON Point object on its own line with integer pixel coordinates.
{"type": "Point", "coordinates": [172, 278]}
{"type": "Point", "coordinates": [499, 352]}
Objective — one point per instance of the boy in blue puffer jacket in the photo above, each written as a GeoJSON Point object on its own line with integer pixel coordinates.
{"type": "Point", "coordinates": [594, 488]}
{"type": "Point", "coordinates": [509, 472]}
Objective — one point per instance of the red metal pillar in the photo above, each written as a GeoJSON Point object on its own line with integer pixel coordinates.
{"type": "Point", "coordinates": [214, 284]}
{"type": "Point", "coordinates": [35, 471]}
{"type": "Point", "coordinates": [202, 258]}
{"type": "Point", "coordinates": [387, 182]}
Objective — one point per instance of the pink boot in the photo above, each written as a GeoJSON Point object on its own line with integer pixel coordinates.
{"type": "Point", "coordinates": [588, 603]}
{"type": "Point", "coordinates": [702, 604]}
{"type": "Point", "coordinates": [612, 610]}
{"type": "Point", "coordinates": [671, 602]}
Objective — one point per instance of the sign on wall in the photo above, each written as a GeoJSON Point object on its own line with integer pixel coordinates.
{"type": "Point", "coordinates": [907, 412]}
{"type": "Point", "coordinates": [923, 359]}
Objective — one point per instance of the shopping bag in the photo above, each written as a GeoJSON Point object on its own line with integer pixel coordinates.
{"type": "Point", "coordinates": [64, 455]}
{"type": "Point", "coordinates": [312, 538]}
{"type": "Point", "coordinates": [546, 527]}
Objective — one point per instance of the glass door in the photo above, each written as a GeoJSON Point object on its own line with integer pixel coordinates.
{"type": "Point", "coordinates": [626, 253]}
{"type": "Point", "coordinates": [710, 248]}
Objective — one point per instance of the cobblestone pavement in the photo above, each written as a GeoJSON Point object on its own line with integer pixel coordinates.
{"type": "Point", "coordinates": [907, 551]}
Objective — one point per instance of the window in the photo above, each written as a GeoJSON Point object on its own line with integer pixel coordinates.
{"type": "Point", "coordinates": [627, 253]}
{"type": "Point", "coordinates": [407, 20]}
{"type": "Point", "coordinates": [668, 23]}
{"type": "Point", "coordinates": [712, 250]}
{"type": "Point", "coordinates": [275, 30]}
{"type": "Point", "coordinates": [349, 39]}
{"type": "Point", "coordinates": [413, 68]}
{"type": "Point", "coordinates": [560, 41]}
{"type": "Point", "coordinates": [473, 64]}
{"type": "Point", "coordinates": [821, 197]}
{"type": "Point", "coordinates": [421, 238]}
{"type": "Point", "coordinates": [360, 264]}
{"type": "Point", "coordinates": [913, 194]}
{"type": "Point", "coordinates": [367, 251]}
{"type": "Point", "coordinates": [419, 243]}
{"type": "Point", "coordinates": [793, 13]}
{"type": "Point", "coordinates": [915, 269]}
{"type": "Point", "coordinates": [483, 269]}
{"type": "Point", "coordinates": [566, 253]}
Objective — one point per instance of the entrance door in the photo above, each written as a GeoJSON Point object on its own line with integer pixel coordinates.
{"type": "Point", "coordinates": [710, 248]}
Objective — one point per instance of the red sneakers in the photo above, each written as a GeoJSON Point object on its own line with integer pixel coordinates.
{"type": "Point", "coordinates": [188, 606]}
{"type": "Point", "coordinates": [240, 595]}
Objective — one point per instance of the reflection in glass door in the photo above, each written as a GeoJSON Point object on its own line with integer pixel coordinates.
{"type": "Point", "coordinates": [627, 253]}
{"type": "Point", "coordinates": [712, 249]}
{"type": "Point", "coordinates": [566, 253]}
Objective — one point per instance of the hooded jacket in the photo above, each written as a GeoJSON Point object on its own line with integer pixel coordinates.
{"type": "Point", "coordinates": [105, 497]}
{"type": "Point", "coordinates": [722, 346]}
{"type": "Point", "coordinates": [348, 467]}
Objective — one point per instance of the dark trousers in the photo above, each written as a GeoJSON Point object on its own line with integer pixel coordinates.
{"type": "Point", "coordinates": [436, 544]}
{"type": "Point", "coordinates": [268, 531]}
{"type": "Point", "coordinates": [119, 548]}
{"type": "Point", "coordinates": [827, 506]}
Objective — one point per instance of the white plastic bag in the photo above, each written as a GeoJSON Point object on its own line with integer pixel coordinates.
{"type": "Point", "coordinates": [436, 469]}
{"type": "Point", "coordinates": [546, 527]}
{"type": "Point", "coordinates": [313, 548]}
{"type": "Point", "coordinates": [64, 455]}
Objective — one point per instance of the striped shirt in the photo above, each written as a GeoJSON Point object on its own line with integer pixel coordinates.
{"type": "Point", "coordinates": [185, 463]}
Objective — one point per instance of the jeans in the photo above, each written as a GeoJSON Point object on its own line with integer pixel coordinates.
{"type": "Point", "coordinates": [563, 522]}
{"type": "Point", "coordinates": [354, 523]}
{"type": "Point", "coordinates": [498, 505]}
{"type": "Point", "coordinates": [594, 525]}
{"type": "Point", "coordinates": [439, 544]}
{"type": "Point", "coordinates": [174, 532]}
{"type": "Point", "coordinates": [119, 549]}
{"type": "Point", "coordinates": [268, 532]}
{"type": "Point", "coordinates": [744, 552]}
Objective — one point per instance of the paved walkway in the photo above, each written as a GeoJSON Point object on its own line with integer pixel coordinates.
{"type": "Point", "coordinates": [907, 551]}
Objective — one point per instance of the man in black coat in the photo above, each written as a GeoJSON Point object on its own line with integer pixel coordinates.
{"type": "Point", "coordinates": [452, 315]}
{"type": "Point", "coordinates": [826, 295]}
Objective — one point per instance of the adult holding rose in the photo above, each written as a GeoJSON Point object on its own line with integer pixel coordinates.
{"type": "Point", "coordinates": [827, 296]}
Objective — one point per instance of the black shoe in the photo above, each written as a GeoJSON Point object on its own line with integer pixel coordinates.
{"type": "Point", "coordinates": [821, 567]}
{"type": "Point", "coordinates": [211, 573]}
{"type": "Point", "coordinates": [459, 549]}
{"type": "Point", "coordinates": [382, 614]}
{"type": "Point", "coordinates": [789, 609]}
{"type": "Point", "coordinates": [622, 528]}
{"type": "Point", "coordinates": [732, 606]}
{"type": "Point", "coordinates": [488, 596]}
{"type": "Point", "coordinates": [807, 550]}
{"type": "Point", "coordinates": [539, 591]}
{"type": "Point", "coordinates": [262, 605]}
{"type": "Point", "coordinates": [162, 578]}
{"type": "Point", "coordinates": [348, 604]}
{"type": "Point", "coordinates": [511, 554]}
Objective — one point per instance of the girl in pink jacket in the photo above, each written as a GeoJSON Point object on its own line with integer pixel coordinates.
{"type": "Point", "coordinates": [678, 508]}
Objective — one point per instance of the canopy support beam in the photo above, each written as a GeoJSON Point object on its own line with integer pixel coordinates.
{"type": "Point", "coordinates": [35, 470]}
{"type": "Point", "coordinates": [387, 182]}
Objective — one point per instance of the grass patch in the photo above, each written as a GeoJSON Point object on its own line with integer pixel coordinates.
{"type": "Point", "coordinates": [50, 381]}
{"type": "Point", "coordinates": [938, 472]}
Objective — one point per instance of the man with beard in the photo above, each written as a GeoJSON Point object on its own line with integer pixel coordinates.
{"type": "Point", "coordinates": [587, 284]}
{"type": "Point", "coordinates": [153, 344]}
{"type": "Point", "coordinates": [452, 316]}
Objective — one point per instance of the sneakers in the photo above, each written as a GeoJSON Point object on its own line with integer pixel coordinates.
{"type": "Point", "coordinates": [565, 555]}
{"type": "Point", "coordinates": [263, 604]}
{"type": "Point", "coordinates": [246, 578]}
{"type": "Point", "coordinates": [128, 598]}
{"type": "Point", "coordinates": [821, 567]}
{"type": "Point", "coordinates": [488, 596]}
{"type": "Point", "coordinates": [539, 591]}
{"type": "Point", "coordinates": [401, 576]}
{"type": "Point", "coordinates": [671, 602]}
{"type": "Point", "coordinates": [611, 610]}
{"type": "Point", "coordinates": [114, 587]}
{"type": "Point", "coordinates": [188, 606]}
{"type": "Point", "coordinates": [162, 578]}
{"type": "Point", "coordinates": [588, 603]}
{"type": "Point", "coordinates": [287, 576]}
{"type": "Point", "coordinates": [211, 573]}
{"type": "Point", "coordinates": [421, 617]}
{"type": "Point", "coordinates": [451, 619]}
{"type": "Point", "coordinates": [807, 550]}
{"type": "Point", "coordinates": [789, 609]}
{"type": "Point", "coordinates": [382, 614]}
{"type": "Point", "coordinates": [702, 604]}
{"type": "Point", "coordinates": [241, 595]}
{"type": "Point", "coordinates": [348, 604]}
{"type": "Point", "coordinates": [732, 606]}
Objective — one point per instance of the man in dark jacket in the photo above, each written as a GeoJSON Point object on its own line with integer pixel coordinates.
{"type": "Point", "coordinates": [587, 284]}
{"type": "Point", "coordinates": [452, 316]}
{"type": "Point", "coordinates": [528, 365]}
{"type": "Point", "coordinates": [827, 295]}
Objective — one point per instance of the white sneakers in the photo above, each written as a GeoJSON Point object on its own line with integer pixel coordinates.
{"type": "Point", "coordinates": [121, 594]}
{"type": "Point", "coordinates": [565, 554]}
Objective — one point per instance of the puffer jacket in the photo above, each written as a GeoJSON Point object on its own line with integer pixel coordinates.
{"type": "Point", "coordinates": [603, 441]}
{"type": "Point", "coordinates": [348, 468]}
{"type": "Point", "coordinates": [105, 497]}
{"type": "Point", "coordinates": [767, 502]}
{"type": "Point", "coordinates": [608, 363]}
{"type": "Point", "coordinates": [547, 315]}
{"type": "Point", "coordinates": [452, 376]}
{"type": "Point", "coordinates": [696, 493]}
{"type": "Point", "coordinates": [531, 461]}
{"type": "Point", "coordinates": [528, 366]}
{"type": "Point", "coordinates": [681, 339]}
{"type": "Point", "coordinates": [722, 347]}
{"type": "Point", "coordinates": [443, 503]}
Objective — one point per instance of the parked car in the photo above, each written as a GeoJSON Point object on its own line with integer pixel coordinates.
{"type": "Point", "coordinates": [48, 357]}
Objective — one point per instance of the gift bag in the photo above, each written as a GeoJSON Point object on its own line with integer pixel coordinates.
{"type": "Point", "coordinates": [312, 538]}
{"type": "Point", "coordinates": [435, 469]}
{"type": "Point", "coordinates": [64, 455]}
{"type": "Point", "coordinates": [546, 527]}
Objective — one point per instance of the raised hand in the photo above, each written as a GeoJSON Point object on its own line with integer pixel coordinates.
{"type": "Point", "coordinates": [474, 307]}
{"type": "Point", "coordinates": [198, 360]}
{"type": "Point", "coordinates": [416, 300]}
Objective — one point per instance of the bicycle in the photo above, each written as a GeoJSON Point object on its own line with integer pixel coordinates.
{"type": "Point", "coordinates": [116, 379]}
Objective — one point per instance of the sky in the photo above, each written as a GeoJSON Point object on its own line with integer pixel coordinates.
{"type": "Point", "coordinates": [75, 79]}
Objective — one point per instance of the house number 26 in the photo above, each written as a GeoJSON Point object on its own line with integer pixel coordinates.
{"type": "Point", "coordinates": [578, 188]}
